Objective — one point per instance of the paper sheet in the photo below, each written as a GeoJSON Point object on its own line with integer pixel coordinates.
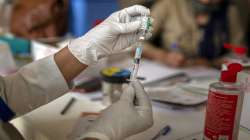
{"type": "Point", "coordinates": [176, 95]}
{"type": "Point", "coordinates": [200, 72]}
{"type": "Point", "coordinates": [153, 71]}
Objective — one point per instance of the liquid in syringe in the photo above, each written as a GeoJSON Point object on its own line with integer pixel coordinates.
{"type": "Point", "coordinates": [137, 59]}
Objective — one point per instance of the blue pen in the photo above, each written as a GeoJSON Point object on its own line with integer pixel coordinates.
{"type": "Point", "coordinates": [175, 47]}
{"type": "Point", "coordinates": [163, 132]}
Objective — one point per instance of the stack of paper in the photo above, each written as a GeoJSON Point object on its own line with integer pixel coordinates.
{"type": "Point", "coordinates": [153, 71]}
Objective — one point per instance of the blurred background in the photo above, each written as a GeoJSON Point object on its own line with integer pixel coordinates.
{"type": "Point", "coordinates": [183, 30]}
{"type": "Point", "coordinates": [187, 34]}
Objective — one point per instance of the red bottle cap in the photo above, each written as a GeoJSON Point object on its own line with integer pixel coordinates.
{"type": "Point", "coordinates": [235, 67]}
{"type": "Point", "coordinates": [230, 75]}
{"type": "Point", "coordinates": [237, 49]}
{"type": "Point", "coordinates": [227, 76]}
{"type": "Point", "coordinates": [240, 50]}
{"type": "Point", "coordinates": [228, 46]}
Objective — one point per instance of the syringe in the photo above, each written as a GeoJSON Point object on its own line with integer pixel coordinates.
{"type": "Point", "coordinates": [137, 59]}
{"type": "Point", "coordinates": [145, 28]}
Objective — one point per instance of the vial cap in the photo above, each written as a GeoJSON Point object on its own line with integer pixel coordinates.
{"type": "Point", "coordinates": [115, 75]}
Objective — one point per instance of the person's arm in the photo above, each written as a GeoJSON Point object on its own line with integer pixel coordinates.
{"type": "Point", "coordinates": [33, 85]}
{"type": "Point", "coordinates": [160, 13]}
{"type": "Point", "coordinates": [173, 59]}
{"type": "Point", "coordinates": [42, 81]}
{"type": "Point", "coordinates": [237, 31]}
{"type": "Point", "coordinates": [68, 64]}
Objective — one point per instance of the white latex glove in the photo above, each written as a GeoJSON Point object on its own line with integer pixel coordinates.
{"type": "Point", "coordinates": [113, 35]}
{"type": "Point", "coordinates": [123, 119]}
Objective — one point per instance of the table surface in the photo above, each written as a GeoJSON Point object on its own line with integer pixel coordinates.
{"type": "Point", "coordinates": [48, 121]}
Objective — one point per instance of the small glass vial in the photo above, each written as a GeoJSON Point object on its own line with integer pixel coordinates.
{"type": "Point", "coordinates": [146, 26]}
{"type": "Point", "coordinates": [113, 79]}
{"type": "Point", "coordinates": [224, 106]}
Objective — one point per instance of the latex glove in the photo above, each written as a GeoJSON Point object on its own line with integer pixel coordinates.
{"type": "Point", "coordinates": [113, 35]}
{"type": "Point", "coordinates": [123, 118]}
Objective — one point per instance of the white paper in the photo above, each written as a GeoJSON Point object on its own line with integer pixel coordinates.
{"type": "Point", "coordinates": [153, 71]}
{"type": "Point", "coordinates": [176, 95]}
{"type": "Point", "coordinates": [199, 72]}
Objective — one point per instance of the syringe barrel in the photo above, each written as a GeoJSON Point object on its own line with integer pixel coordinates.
{"type": "Point", "coordinates": [138, 53]}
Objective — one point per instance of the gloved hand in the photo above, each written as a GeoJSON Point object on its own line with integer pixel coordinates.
{"type": "Point", "coordinates": [113, 35]}
{"type": "Point", "coordinates": [123, 118]}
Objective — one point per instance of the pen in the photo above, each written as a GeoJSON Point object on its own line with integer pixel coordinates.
{"type": "Point", "coordinates": [174, 47]}
{"type": "Point", "coordinates": [163, 132]}
{"type": "Point", "coordinates": [69, 104]}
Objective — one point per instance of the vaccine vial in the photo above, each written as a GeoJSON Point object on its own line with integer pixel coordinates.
{"type": "Point", "coordinates": [113, 79]}
{"type": "Point", "coordinates": [146, 27]}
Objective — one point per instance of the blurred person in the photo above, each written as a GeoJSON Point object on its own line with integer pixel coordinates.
{"type": "Point", "coordinates": [42, 81]}
{"type": "Point", "coordinates": [190, 32]}
{"type": "Point", "coordinates": [243, 7]}
{"type": "Point", "coordinates": [126, 3]}
{"type": "Point", "coordinates": [39, 19]}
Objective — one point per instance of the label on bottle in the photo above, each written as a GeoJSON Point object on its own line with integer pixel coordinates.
{"type": "Point", "coordinates": [220, 116]}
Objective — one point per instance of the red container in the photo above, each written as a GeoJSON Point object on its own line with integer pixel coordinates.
{"type": "Point", "coordinates": [224, 106]}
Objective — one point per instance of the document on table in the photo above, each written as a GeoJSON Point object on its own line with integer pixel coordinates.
{"type": "Point", "coordinates": [201, 72]}
{"type": "Point", "coordinates": [153, 71]}
{"type": "Point", "coordinates": [176, 95]}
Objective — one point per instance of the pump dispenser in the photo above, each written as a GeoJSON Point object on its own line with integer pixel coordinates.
{"type": "Point", "coordinates": [224, 106]}
{"type": "Point", "coordinates": [230, 75]}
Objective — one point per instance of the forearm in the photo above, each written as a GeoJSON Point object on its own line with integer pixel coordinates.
{"type": "Point", "coordinates": [69, 66]}
{"type": "Point", "coordinates": [159, 12]}
{"type": "Point", "coordinates": [34, 85]}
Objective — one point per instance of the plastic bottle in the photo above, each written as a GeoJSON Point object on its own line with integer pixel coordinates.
{"type": "Point", "coordinates": [224, 106]}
